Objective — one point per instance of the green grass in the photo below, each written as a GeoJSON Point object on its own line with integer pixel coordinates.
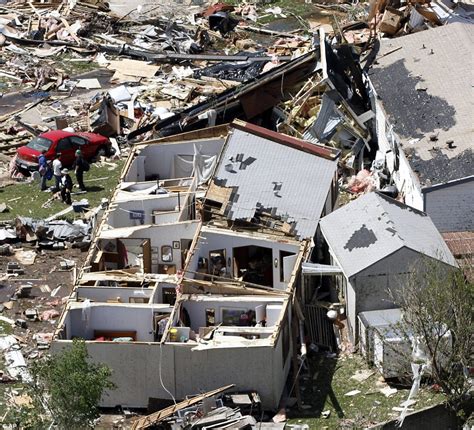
{"type": "Point", "coordinates": [326, 388]}
{"type": "Point", "coordinates": [5, 329]}
{"type": "Point", "coordinates": [31, 198]}
{"type": "Point", "coordinates": [73, 68]}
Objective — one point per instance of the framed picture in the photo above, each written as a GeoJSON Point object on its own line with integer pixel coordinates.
{"type": "Point", "coordinates": [231, 316]}
{"type": "Point", "coordinates": [166, 254]}
{"type": "Point", "coordinates": [176, 244]}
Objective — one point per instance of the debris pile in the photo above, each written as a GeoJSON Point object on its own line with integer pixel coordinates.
{"type": "Point", "coordinates": [238, 410]}
{"type": "Point", "coordinates": [45, 44]}
{"type": "Point", "coordinates": [395, 18]}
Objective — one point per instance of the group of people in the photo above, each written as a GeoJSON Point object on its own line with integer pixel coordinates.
{"type": "Point", "coordinates": [62, 180]}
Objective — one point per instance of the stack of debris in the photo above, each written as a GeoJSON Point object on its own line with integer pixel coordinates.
{"type": "Point", "coordinates": [394, 18]}
{"type": "Point", "coordinates": [209, 410]}
{"type": "Point", "coordinates": [153, 67]}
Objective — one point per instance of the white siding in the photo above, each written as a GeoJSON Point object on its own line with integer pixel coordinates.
{"type": "Point", "coordinates": [136, 371]}
{"type": "Point", "coordinates": [376, 286]}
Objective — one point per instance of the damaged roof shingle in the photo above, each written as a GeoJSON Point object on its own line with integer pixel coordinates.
{"type": "Point", "coordinates": [377, 226]}
{"type": "Point", "coordinates": [424, 82]}
{"type": "Point", "coordinates": [290, 179]}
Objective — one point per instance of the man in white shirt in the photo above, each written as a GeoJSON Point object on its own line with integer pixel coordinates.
{"type": "Point", "coordinates": [57, 166]}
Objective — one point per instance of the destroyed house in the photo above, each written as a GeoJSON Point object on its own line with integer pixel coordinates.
{"type": "Point", "coordinates": [378, 242]}
{"type": "Point", "coordinates": [190, 278]}
{"type": "Point", "coordinates": [422, 97]}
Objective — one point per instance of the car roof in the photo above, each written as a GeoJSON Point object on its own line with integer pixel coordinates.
{"type": "Point", "coordinates": [56, 134]}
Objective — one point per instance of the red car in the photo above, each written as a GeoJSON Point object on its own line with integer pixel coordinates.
{"type": "Point", "coordinates": [64, 142]}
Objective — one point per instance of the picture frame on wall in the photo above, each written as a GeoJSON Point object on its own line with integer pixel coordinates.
{"type": "Point", "coordinates": [231, 316]}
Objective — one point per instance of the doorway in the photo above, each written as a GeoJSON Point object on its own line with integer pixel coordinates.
{"type": "Point", "coordinates": [253, 264]}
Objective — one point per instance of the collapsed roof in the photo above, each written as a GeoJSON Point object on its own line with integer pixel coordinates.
{"type": "Point", "coordinates": [267, 172]}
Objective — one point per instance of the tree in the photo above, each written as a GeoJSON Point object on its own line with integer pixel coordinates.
{"type": "Point", "coordinates": [66, 386]}
{"type": "Point", "coordinates": [437, 306]}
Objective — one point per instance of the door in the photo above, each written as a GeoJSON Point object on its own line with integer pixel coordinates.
{"type": "Point", "coordinates": [146, 246]}
{"type": "Point", "coordinates": [88, 151]}
{"type": "Point", "coordinates": [288, 266]}
{"type": "Point", "coordinates": [67, 151]}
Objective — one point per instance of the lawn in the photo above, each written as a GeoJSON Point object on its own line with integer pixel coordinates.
{"type": "Point", "coordinates": [324, 389]}
{"type": "Point", "coordinates": [26, 199]}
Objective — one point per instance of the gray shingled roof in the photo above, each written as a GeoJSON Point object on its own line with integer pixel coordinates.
{"type": "Point", "coordinates": [275, 176]}
{"type": "Point", "coordinates": [425, 83]}
{"type": "Point", "coordinates": [374, 226]}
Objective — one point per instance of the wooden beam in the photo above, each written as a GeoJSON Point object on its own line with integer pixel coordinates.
{"type": "Point", "coordinates": [157, 417]}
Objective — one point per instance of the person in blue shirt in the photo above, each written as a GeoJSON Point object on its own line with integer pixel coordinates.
{"type": "Point", "coordinates": [43, 169]}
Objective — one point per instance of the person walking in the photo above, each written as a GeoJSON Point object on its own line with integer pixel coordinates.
{"type": "Point", "coordinates": [80, 166]}
{"type": "Point", "coordinates": [43, 169]}
{"type": "Point", "coordinates": [57, 167]}
{"type": "Point", "coordinates": [66, 186]}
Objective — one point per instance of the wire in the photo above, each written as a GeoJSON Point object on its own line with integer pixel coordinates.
{"type": "Point", "coordinates": [161, 379]}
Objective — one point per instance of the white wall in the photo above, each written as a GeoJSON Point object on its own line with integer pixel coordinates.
{"type": "Point", "coordinates": [160, 157]}
{"type": "Point", "coordinates": [377, 286]}
{"type": "Point", "coordinates": [102, 294]}
{"type": "Point", "coordinates": [136, 371]}
{"type": "Point", "coordinates": [451, 208]}
{"type": "Point", "coordinates": [210, 241]}
{"type": "Point", "coordinates": [248, 368]}
{"type": "Point", "coordinates": [131, 317]}
{"type": "Point", "coordinates": [351, 309]}
{"type": "Point", "coordinates": [120, 216]}
{"type": "Point", "coordinates": [197, 309]}
{"type": "Point", "coordinates": [160, 235]}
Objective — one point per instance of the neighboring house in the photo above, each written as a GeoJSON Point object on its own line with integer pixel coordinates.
{"type": "Point", "coordinates": [377, 242]}
{"type": "Point", "coordinates": [422, 96]}
{"type": "Point", "coordinates": [189, 281]}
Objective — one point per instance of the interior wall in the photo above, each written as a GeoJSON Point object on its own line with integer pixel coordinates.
{"type": "Point", "coordinates": [127, 213]}
{"type": "Point", "coordinates": [197, 310]}
{"type": "Point", "coordinates": [102, 294]}
{"type": "Point", "coordinates": [210, 241]}
{"type": "Point", "coordinates": [159, 158]}
{"type": "Point", "coordinates": [160, 235]}
{"type": "Point", "coordinates": [117, 318]}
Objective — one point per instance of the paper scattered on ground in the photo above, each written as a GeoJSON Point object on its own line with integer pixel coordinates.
{"type": "Point", "coordinates": [362, 375]}
{"type": "Point", "coordinates": [89, 84]}
{"type": "Point", "coordinates": [388, 391]}
{"type": "Point", "coordinates": [27, 258]}
{"type": "Point", "coordinates": [352, 393]}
